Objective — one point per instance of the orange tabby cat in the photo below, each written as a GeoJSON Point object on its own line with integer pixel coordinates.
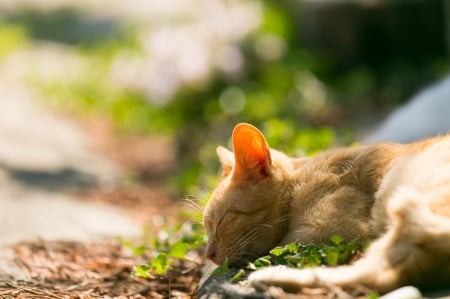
{"type": "Point", "coordinates": [396, 194]}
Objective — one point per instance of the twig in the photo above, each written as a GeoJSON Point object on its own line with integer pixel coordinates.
{"type": "Point", "coordinates": [140, 292]}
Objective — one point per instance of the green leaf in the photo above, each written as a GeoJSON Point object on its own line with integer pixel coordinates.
{"type": "Point", "coordinates": [197, 239]}
{"type": "Point", "coordinates": [142, 270]}
{"type": "Point", "coordinates": [126, 243]}
{"type": "Point", "coordinates": [251, 266]}
{"type": "Point", "coordinates": [179, 250]}
{"type": "Point", "coordinates": [295, 260]}
{"type": "Point", "coordinates": [221, 269]}
{"type": "Point", "coordinates": [139, 250]}
{"type": "Point", "coordinates": [372, 295]}
{"type": "Point", "coordinates": [332, 258]}
{"type": "Point", "coordinates": [293, 247]}
{"type": "Point", "coordinates": [336, 239]}
{"type": "Point", "coordinates": [263, 261]}
{"type": "Point", "coordinates": [160, 264]}
{"type": "Point", "coordinates": [277, 251]}
{"type": "Point", "coordinates": [238, 276]}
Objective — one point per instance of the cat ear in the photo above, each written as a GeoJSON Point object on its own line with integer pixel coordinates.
{"type": "Point", "coordinates": [226, 158]}
{"type": "Point", "coordinates": [251, 153]}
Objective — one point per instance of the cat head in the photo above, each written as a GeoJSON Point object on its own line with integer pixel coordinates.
{"type": "Point", "coordinates": [246, 215]}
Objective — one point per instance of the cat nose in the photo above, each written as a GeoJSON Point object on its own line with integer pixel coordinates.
{"type": "Point", "coordinates": [210, 254]}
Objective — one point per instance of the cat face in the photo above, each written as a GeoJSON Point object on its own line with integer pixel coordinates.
{"type": "Point", "coordinates": [246, 215]}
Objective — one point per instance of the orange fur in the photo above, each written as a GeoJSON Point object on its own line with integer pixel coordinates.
{"type": "Point", "coordinates": [397, 194]}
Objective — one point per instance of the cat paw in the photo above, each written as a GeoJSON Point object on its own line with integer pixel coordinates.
{"type": "Point", "coordinates": [291, 280]}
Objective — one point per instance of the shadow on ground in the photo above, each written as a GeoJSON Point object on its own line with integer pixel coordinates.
{"type": "Point", "coordinates": [66, 25]}
{"type": "Point", "coordinates": [66, 179]}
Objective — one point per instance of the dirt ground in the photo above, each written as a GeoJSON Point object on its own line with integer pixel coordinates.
{"type": "Point", "coordinates": [98, 270]}
{"type": "Point", "coordinates": [103, 269]}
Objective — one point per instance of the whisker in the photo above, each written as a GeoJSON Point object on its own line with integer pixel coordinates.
{"type": "Point", "coordinates": [195, 221]}
{"type": "Point", "coordinates": [191, 202]}
{"type": "Point", "coordinates": [245, 238]}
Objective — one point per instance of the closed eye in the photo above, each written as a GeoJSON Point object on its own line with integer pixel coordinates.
{"type": "Point", "coordinates": [237, 212]}
{"type": "Point", "coordinates": [242, 212]}
{"type": "Point", "coordinates": [219, 224]}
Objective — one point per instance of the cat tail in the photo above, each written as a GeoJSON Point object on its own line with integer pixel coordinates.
{"type": "Point", "coordinates": [413, 220]}
{"type": "Point", "coordinates": [416, 247]}
{"type": "Point", "coordinates": [414, 250]}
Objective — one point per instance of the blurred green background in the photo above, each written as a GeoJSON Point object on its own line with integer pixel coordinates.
{"type": "Point", "coordinates": [309, 74]}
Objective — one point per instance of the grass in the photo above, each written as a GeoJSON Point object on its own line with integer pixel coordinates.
{"type": "Point", "coordinates": [170, 244]}
{"type": "Point", "coordinates": [296, 255]}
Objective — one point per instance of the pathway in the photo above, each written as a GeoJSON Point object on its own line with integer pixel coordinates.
{"type": "Point", "coordinates": [45, 165]}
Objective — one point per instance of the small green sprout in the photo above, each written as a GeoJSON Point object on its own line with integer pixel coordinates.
{"type": "Point", "coordinates": [164, 249]}
{"type": "Point", "coordinates": [297, 255]}
{"type": "Point", "coordinates": [160, 264]}
{"type": "Point", "coordinates": [222, 269]}
{"type": "Point", "coordinates": [142, 270]}
{"type": "Point", "coordinates": [238, 276]}
{"type": "Point", "coordinates": [372, 295]}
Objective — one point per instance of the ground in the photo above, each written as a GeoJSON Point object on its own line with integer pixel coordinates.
{"type": "Point", "coordinates": [61, 269]}
{"type": "Point", "coordinates": [102, 268]}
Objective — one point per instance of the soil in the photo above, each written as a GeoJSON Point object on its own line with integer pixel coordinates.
{"type": "Point", "coordinates": [103, 269]}
{"type": "Point", "coordinates": [74, 270]}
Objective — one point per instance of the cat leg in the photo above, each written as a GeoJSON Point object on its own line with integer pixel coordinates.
{"type": "Point", "coordinates": [414, 250]}
{"type": "Point", "coordinates": [372, 270]}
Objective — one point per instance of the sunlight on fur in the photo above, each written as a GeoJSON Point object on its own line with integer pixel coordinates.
{"type": "Point", "coordinates": [396, 195]}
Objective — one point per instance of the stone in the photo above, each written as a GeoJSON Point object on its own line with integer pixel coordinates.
{"type": "Point", "coordinates": [219, 286]}
{"type": "Point", "coordinates": [407, 292]}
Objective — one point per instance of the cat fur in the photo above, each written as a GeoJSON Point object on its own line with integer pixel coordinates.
{"type": "Point", "coordinates": [395, 194]}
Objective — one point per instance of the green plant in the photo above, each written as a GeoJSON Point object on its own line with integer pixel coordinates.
{"type": "Point", "coordinates": [297, 255]}
{"type": "Point", "coordinates": [372, 295]}
{"type": "Point", "coordinates": [300, 256]}
{"type": "Point", "coordinates": [13, 37]}
{"type": "Point", "coordinates": [170, 244]}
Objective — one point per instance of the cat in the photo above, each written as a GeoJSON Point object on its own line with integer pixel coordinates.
{"type": "Point", "coordinates": [397, 195]}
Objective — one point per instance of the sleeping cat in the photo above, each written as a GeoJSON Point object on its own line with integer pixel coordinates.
{"type": "Point", "coordinates": [397, 194]}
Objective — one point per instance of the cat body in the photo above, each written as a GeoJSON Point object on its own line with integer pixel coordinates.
{"type": "Point", "coordinates": [397, 195]}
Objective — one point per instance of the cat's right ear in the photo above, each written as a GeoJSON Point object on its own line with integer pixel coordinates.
{"type": "Point", "coordinates": [226, 158]}
{"type": "Point", "coordinates": [251, 153]}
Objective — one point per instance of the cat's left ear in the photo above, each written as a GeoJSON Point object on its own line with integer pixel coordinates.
{"type": "Point", "coordinates": [226, 159]}
{"type": "Point", "coordinates": [251, 153]}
